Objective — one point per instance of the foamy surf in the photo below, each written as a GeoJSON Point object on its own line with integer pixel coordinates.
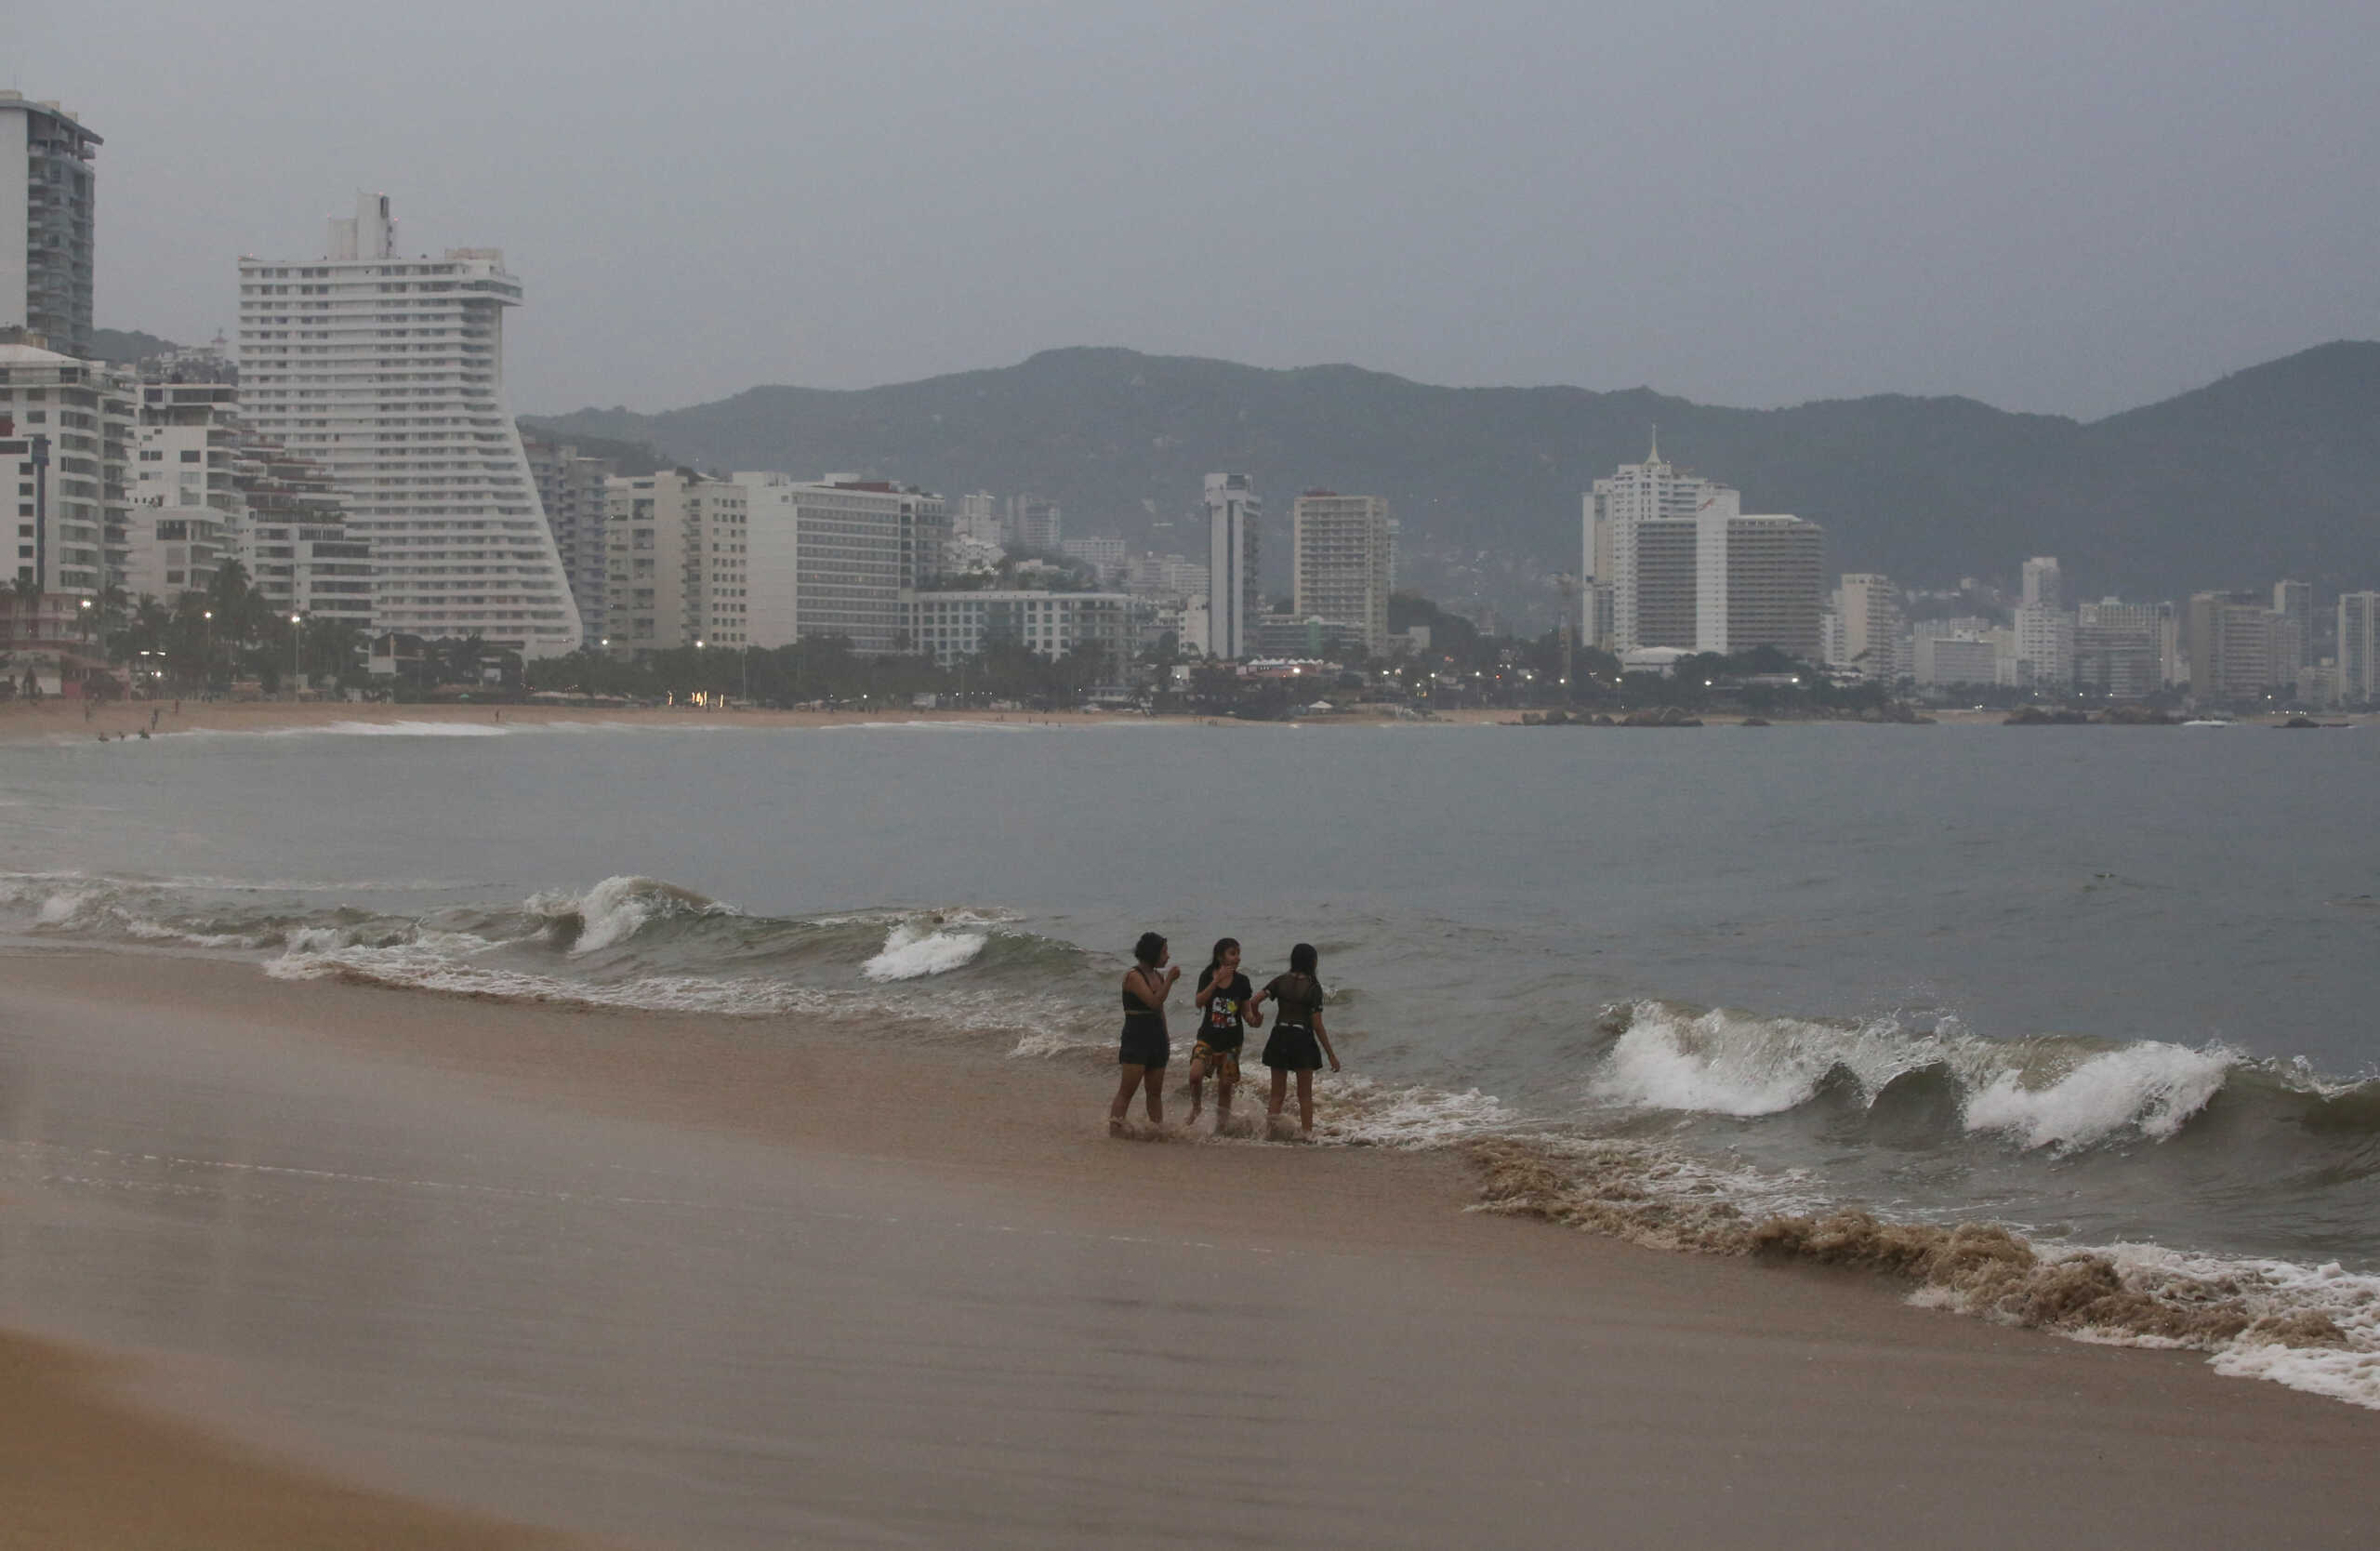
{"type": "Point", "coordinates": [912, 952]}
{"type": "Point", "coordinates": [2062, 1095]}
{"type": "Point", "coordinates": [615, 910]}
{"type": "Point", "coordinates": [2315, 1329]}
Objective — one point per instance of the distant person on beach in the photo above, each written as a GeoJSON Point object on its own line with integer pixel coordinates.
{"type": "Point", "coordinates": [1297, 1028]}
{"type": "Point", "coordinates": [1146, 1048]}
{"type": "Point", "coordinates": [1223, 997]}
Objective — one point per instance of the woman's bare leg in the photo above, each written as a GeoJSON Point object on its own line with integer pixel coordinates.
{"type": "Point", "coordinates": [1223, 1086]}
{"type": "Point", "coordinates": [1280, 1092]}
{"type": "Point", "coordinates": [1154, 1088]}
{"type": "Point", "coordinates": [1124, 1086]}
{"type": "Point", "coordinates": [1197, 1088]}
{"type": "Point", "coordinates": [1305, 1102]}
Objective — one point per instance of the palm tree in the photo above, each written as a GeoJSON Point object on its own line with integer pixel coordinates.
{"type": "Point", "coordinates": [29, 592]}
{"type": "Point", "coordinates": [112, 607]}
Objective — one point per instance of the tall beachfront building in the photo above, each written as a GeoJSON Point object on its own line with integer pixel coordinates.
{"type": "Point", "coordinates": [389, 369]}
{"type": "Point", "coordinates": [1341, 562]}
{"type": "Point", "coordinates": [1759, 581]}
{"type": "Point", "coordinates": [839, 557]}
{"type": "Point", "coordinates": [677, 556]}
{"type": "Point", "coordinates": [1673, 560]}
{"type": "Point", "coordinates": [48, 193]}
{"type": "Point", "coordinates": [1868, 607]}
{"type": "Point", "coordinates": [2296, 600]}
{"type": "Point", "coordinates": [2044, 626]}
{"type": "Point", "coordinates": [2358, 647]}
{"type": "Point", "coordinates": [570, 486]}
{"type": "Point", "coordinates": [66, 434]}
{"type": "Point", "coordinates": [1233, 510]}
{"type": "Point", "coordinates": [1639, 548]}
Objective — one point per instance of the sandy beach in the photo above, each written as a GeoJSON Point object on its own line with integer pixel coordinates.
{"type": "Point", "coordinates": [63, 719]}
{"type": "Point", "coordinates": [707, 1282]}
{"type": "Point", "coordinates": [58, 718]}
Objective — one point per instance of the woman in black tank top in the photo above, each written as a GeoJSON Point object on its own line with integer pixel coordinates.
{"type": "Point", "coordinates": [1144, 1047]}
{"type": "Point", "coordinates": [1299, 1041]}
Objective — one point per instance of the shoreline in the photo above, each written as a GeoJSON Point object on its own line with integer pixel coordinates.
{"type": "Point", "coordinates": [59, 719]}
{"type": "Point", "coordinates": [1588, 1363]}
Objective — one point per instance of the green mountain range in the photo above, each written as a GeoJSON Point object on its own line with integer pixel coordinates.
{"type": "Point", "coordinates": [2272, 472]}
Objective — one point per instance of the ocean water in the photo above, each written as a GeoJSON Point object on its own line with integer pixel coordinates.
{"type": "Point", "coordinates": [2112, 988]}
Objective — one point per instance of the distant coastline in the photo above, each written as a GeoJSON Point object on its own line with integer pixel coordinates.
{"type": "Point", "coordinates": [56, 720]}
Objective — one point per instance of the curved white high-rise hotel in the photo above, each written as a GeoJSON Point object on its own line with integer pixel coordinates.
{"type": "Point", "coordinates": [389, 370]}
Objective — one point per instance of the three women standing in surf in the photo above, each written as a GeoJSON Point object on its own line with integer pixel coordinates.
{"type": "Point", "coordinates": [1229, 1007]}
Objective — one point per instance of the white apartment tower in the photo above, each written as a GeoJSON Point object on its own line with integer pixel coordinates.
{"type": "Point", "coordinates": [187, 512]}
{"type": "Point", "coordinates": [1341, 562]}
{"type": "Point", "coordinates": [840, 557]}
{"type": "Point", "coordinates": [1639, 552]}
{"type": "Point", "coordinates": [2296, 598]}
{"type": "Point", "coordinates": [70, 448]}
{"type": "Point", "coordinates": [2358, 647]}
{"type": "Point", "coordinates": [1233, 603]}
{"type": "Point", "coordinates": [47, 197]}
{"type": "Point", "coordinates": [389, 370]}
{"type": "Point", "coordinates": [1868, 606]}
{"type": "Point", "coordinates": [676, 557]}
{"type": "Point", "coordinates": [1758, 581]}
{"type": "Point", "coordinates": [2044, 626]}
{"type": "Point", "coordinates": [571, 487]}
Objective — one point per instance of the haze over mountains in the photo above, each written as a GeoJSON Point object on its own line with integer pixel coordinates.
{"type": "Point", "coordinates": [2271, 471]}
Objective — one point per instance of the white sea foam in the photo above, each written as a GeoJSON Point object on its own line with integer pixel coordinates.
{"type": "Point", "coordinates": [617, 909]}
{"type": "Point", "coordinates": [2035, 1093]}
{"type": "Point", "coordinates": [2152, 1087]}
{"type": "Point", "coordinates": [1725, 1063]}
{"type": "Point", "coordinates": [912, 952]}
{"type": "Point", "coordinates": [2284, 1298]}
{"type": "Point", "coordinates": [1365, 1112]}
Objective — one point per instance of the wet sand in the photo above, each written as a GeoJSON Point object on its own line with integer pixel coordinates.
{"type": "Point", "coordinates": [700, 1282]}
{"type": "Point", "coordinates": [82, 1470]}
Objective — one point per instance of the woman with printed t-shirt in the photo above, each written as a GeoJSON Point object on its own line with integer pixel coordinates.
{"type": "Point", "coordinates": [1224, 1019]}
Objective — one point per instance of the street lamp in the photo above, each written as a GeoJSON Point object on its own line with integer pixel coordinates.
{"type": "Point", "coordinates": [296, 650]}
{"type": "Point", "coordinates": [206, 649]}
{"type": "Point", "coordinates": [90, 619]}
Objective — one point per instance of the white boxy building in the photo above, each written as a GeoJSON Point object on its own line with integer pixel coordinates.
{"type": "Point", "coordinates": [952, 626]}
{"type": "Point", "coordinates": [839, 557]}
{"type": "Point", "coordinates": [389, 369]}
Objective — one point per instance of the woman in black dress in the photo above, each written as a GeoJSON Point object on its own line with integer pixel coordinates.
{"type": "Point", "coordinates": [1146, 1048]}
{"type": "Point", "coordinates": [1299, 1042]}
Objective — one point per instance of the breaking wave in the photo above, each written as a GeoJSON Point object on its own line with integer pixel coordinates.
{"type": "Point", "coordinates": [912, 950]}
{"type": "Point", "coordinates": [2064, 1095]}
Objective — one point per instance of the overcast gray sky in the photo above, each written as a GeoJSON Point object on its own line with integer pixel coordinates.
{"type": "Point", "coordinates": [2073, 207]}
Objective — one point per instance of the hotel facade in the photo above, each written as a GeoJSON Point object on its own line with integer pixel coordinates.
{"type": "Point", "coordinates": [389, 369]}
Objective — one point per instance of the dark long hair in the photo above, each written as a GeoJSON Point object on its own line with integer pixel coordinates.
{"type": "Point", "coordinates": [1222, 946]}
{"type": "Point", "coordinates": [1149, 949]}
{"type": "Point", "coordinates": [1303, 959]}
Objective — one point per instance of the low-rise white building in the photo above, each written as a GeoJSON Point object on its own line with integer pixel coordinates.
{"type": "Point", "coordinates": [1955, 659]}
{"type": "Point", "coordinates": [952, 626]}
